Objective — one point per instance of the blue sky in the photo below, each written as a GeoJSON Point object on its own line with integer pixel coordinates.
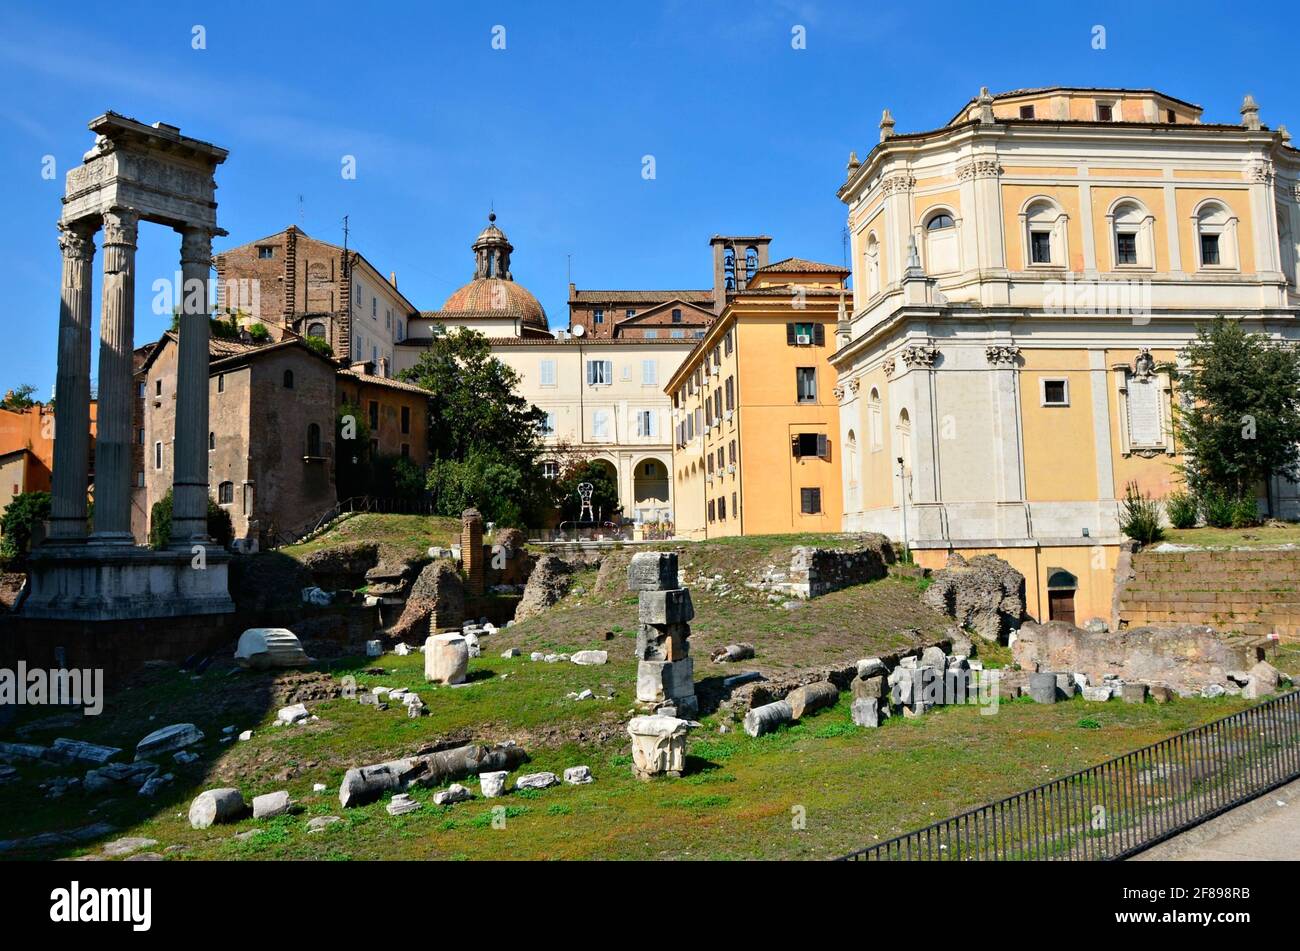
{"type": "Point", "coordinates": [748, 134]}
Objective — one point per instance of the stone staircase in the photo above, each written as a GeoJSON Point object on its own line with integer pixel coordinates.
{"type": "Point", "coordinates": [1255, 591]}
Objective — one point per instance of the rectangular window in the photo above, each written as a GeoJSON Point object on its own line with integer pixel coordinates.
{"type": "Point", "coordinates": [546, 373]}
{"type": "Point", "coordinates": [726, 343]}
{"type": "Point", "coordinates": [630, 312]}
{"type": "Point", "coordinates": [651, 334]}
{"type": "Point", "coordinates": [157, 455]}
{"type": "Point", "coordinates": [731, 452]}
{"type": "Point", "coordinates": [1126, 248]}
{"type": "Point", "coordinates": [265, 251]}
{"type": "Point", "coordinates": [600, 372]}
{"type": "Point", "coordinates": [374, 308]}
{"type": "Point", "coordinates": [598, 315]}
{"type": "Point", "coordinates": [1056, 392]}
{"type": "Point", "coordinates": [1040, 247]}
{"type": "Point", "coordinates": [645, 422]}
{"type": "Point", "coordinates": [712, 509]}
{"type": "Point", "coordinates": [810, 501]}
{"type": "Point", "coordinates": [374, 415]}
{"type": "Point", "coordinates": [677, 315]}
{"type": "Point", "coordinates": [600, 424]}
{"type": "Point", "coordinates": [139, 436]}
{"type": "Point", "coordinates": [805, 379]}
{"type": "Point", "coordinates": [1170, 116]}
{"type": "Point", "coordinates": [1105, 112]}
{"type": "Point", "coordinates": [649, 373]}
{"type": "Point", "coordinates": [406, 420]}
{"type": "Point", "coordinates": [548, 424]}
{"type": "Point", "coordinates": [730, 388]}
{"type": "Point", "coordinates": [722, 509]}
{"type": "Point", "coordinates": [1210, 250]}
{"type": "Point", "coordinates": [157, 387]}
{"type": "Point", "coordinates": [1026, 112]}
{"type": "Point", "coordinates": [678, 334]}
{"type": "Point", "coordinates": [810, 444]}
{"type": "Point", "coordinates": [221, 383]}
{"type": "Point", "coordinates": [550, 469]}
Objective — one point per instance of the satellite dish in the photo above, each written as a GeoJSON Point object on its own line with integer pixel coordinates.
{"type": "Point", "coordinates": [579, 330]}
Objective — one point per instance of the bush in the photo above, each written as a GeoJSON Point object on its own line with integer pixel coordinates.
{"type": "Point", "coordinates": [1181, 509]}
{"type": "Point", "coordinates": [21, 516]}
{"type": "Point", "coordinates": [1140, 518]}
{"type": "Point", "coordinates": [320, 345]}
{"type": "Point", "coordinates": [220, 528]}
{"type": "Point", "coordinates": [1245, 512]}
{"type": "Point", "coordinates": [1217, 506]}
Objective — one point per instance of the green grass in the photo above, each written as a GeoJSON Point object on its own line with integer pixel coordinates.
{"type": "Point", "coordinates": [401, 537]}
{"type": "Point", "coordinates": [1263, 536]}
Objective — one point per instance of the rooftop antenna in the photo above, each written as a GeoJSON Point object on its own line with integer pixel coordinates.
{"type": "Point", "coordinates": [345, 232]}
{"type": "Point", "coordinates": [302, 218]}
{"type": "Point", "coordinates": [570, 267]}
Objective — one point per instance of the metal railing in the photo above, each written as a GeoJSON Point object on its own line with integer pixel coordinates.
{"type": "Point", "coordinates": [1124, 805]}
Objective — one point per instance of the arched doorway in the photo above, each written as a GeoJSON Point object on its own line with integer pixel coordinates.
{"type": "Point", "coordinates": [1061, 587]}
{"type": "Point", "coordinates": [650, 493]}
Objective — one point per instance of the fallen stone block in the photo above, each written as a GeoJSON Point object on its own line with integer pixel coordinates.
{"type": "Point", "coordinates": [216, 806]}
{"type": "Point", "coordinates": [321, 823]}
{"type": "Point", "coordinates": [452, 794]}
{"type": "Point", "coordinates": [127, 845]}
{"type": "Point", "coordinates": [934, 657]}
{"type": "Point", "coordinates": [168, 740]}
{"type": "Point", "coordinates": [401, 804]}
{"type": "Point", "coordinates": [511, 652]}
{"type": "Point", "coordinates": [365, 784]}
{"type": "Point", "coordinates": [64, 750]}
{"type": "Point", "coordinates": [270, 805]}
{"type": "Point", "coordinates": [446, 659]}
{"type": "Point", "coordinates": [263, 648]}
{"type": "Point", "coordinates": [374, 648]}
{"type": "Point", "coordinates": [537, 781]}
{"type": "Point", "coordinates": [21, 752]}
{"type": "Point", "coordinates": [1160, 693]}
{"type": "Point", "coordinates": [866, 712]}
{"type": "Point", "coordinates": [577, 775]}
{"type": "Point", "coordinates": [1096, 694]}
{"type": "Point", "coordinates": [1134, 693]}
{"type": "Point", "coordinates": [871, 666]}
{"type": "Point", "coordinates": [295, 713]}
{"type": "Point", "coordinates": [732, 653]}
{"type": "Point", "coordinates": [590, 658]}
{"type": "Point", "coordinates": [118, 777]}
{"type": "Point", "coordinates": [492, 784]}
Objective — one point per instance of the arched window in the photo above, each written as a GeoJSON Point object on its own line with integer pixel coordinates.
{"type": "Point", "coordinates": [1216, 235]}
{"type": "Point", "coordinates": [1043, 233]}
{"type": "Point", "coordinates": [226, 493]}
{"type": "Point", "coordinates": [1131, 234]}
{"type": "Point", "coordinates": [288, 379]}
{"type": "Point", "coordinates": [851, 466]}
{"type": "Point", "coordinates": [313, 439]}
{"type": "Point", "coordinates": [873, 265]}
{"type": "Point", "coordinates": [1286, 235]}
{"type": "Point", "coordinates": [729, 268]}
{"type": "Point", "coordinates": [751, 262]}
{"type": "Point", "coordinates": [212, 441]}
{"type": "Point", "coordinates": [316, 330]}
{"type": "Point", "coordinates": [905, 450]}
{"type": "Point", "coordinates": [875, 422]}
{"type": "Point", "coordinates": [940, 240]}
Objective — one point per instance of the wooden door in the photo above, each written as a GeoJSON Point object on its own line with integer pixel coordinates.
{"type": "Point", "coordinates": [1060, 606]}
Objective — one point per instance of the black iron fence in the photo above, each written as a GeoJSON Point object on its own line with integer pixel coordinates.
{"type": "Point", "coordinates": [1124, 805]}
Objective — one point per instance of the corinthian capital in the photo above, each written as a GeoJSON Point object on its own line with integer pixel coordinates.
{"type": "Point", "coordinates": [196, 246]}
{"type": "Point", "coordinates": [121, 226]}
{"type": "Point", "coordinates": [78, 243]}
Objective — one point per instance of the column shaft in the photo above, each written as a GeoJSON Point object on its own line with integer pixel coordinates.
{"type": "Point", "coordinates": [72, 387]}
{"type": "Point", "coordinates": [116, 401]}
{"type": "Point", "coordinates": [190, 473]}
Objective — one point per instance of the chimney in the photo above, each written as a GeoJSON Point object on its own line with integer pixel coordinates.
{"type": "Point", "coordinates": [383, 367]}
{"type": "Point", "coordinates": [392, 279]}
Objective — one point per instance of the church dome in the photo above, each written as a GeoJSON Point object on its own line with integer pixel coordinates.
{"type": "Point", "coordinates": [493, 290]}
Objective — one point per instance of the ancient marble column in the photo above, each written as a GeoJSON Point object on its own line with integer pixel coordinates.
{"type": "Point", "coordinates": [190, 472]}
{"type": "Point", "coordinates": [116, 397]}
{"type": "Point", "coordinates": [72, 386]}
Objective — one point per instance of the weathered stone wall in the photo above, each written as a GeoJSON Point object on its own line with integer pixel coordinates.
{"type": "Point", "coordinates": [985, 595]}
{"type": "Point", "coordinates": [1185, 658]}
{"type": "Point", "coordinates": [818, 571]}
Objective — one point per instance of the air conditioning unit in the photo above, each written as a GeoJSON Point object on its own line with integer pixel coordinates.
{"type": "Point", "coordinates": [803, 340]}
{"type": "Point", "coordinates": [708, 478]}
{"type": "Point", "coordinates": [728, 414]}
{"type": "Point", "coordinates": [731, 467]}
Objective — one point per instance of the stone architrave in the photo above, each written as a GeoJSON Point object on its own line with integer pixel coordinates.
{"type": "Point", "coordinates": [446, 659]}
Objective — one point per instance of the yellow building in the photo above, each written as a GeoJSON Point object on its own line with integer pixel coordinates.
{"type": "Point", "coordinates": [1020, 275]}
{"type": "Point", "coordinates": [754, 410]}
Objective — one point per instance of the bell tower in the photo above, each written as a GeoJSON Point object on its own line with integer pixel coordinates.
{"type": "Point", "coordinates": [492, 253]}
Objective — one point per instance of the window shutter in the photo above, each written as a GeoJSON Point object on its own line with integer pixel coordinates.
{"type": "Point", "coordinates": [823, 446]}
{"type": "Point", "coordinates": [819, 334]}
{"type": "Point", "coordinates": [789, 335]}
{"type": "Point", "coordinates": [794, 446]}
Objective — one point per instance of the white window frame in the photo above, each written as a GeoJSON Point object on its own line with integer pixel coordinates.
{"type": "Point", "coordinates": [1042, 391]}
{"type": "Point", "coordinates": [600, 428]}
{"type": "Point", "coordinates": [1043, 213]}
{"type": "Point", "coordinates": [1129, 216]}
{"type": "Point", "coordinates": [546, 373]}
{"type": "Point", "coordinates": [649, 373]}
{"type": "Point", "coordinates": [602, 377]}
{"type": "Point", "coordinates": [1229, 257]}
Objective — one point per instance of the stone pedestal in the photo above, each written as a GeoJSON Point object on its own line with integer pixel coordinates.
{"type": "Point", "coordinates": [110, 582]}
{"type": "Point", "coordinates": [446, 659]}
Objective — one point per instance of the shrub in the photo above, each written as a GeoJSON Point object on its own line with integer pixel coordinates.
{"type": "Point", "coordinates": [320, 345]}
{"type": "Point", "coordinates": [1181, 509]}
{"type": "Point", "coordinates": [21, 516]}
{"type": "Point", "coordinates": [220, 526]}
{"type": "Point", "coordinates": [1217, 507]}
{"type": "Point", "coordinates": [1245, 512]}
{"type": "Point", "coordinates": [1140, 518]}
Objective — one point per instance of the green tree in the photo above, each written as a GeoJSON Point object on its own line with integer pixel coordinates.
{"type": "Point", "coordinates": [220, 527]}
{"type": "Point", "coordinates": [484, 438]}
{"type": "Point", "coordinates": [1241, 421]}
{"type": "Point", "coordinates": [21, 516]}
{"type": "Point", "coordinates": [19, 398]}
{"type": "Point", "coordinates": [604, 495]}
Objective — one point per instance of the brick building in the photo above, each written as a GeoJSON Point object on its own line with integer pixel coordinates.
{"type": "Point", "coordinates": [293, 281]}
{"type": "Point", "coordinates": [396, 413]}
